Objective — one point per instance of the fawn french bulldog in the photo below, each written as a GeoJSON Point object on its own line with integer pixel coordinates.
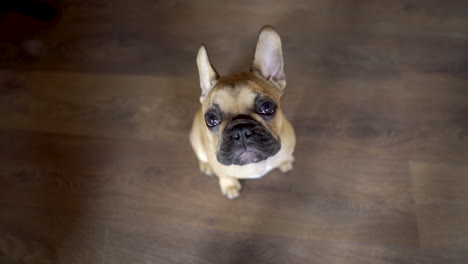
{"type": "Point", "coordinates": [240, 132]}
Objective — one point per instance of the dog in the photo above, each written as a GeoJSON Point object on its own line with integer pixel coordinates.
{"type": "Point", "coordinates": [240, 132]}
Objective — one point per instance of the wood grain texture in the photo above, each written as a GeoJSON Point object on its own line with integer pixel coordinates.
{"type": "Point", "coordinates": [96, 166]}
{"type": "Point", "coordinates": [440, 192]}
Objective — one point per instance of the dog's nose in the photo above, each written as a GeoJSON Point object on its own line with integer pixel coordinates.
{"type": "Point", "coordinates": [242, 132]}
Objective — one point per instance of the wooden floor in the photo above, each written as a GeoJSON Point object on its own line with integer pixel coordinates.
{"type": "Point", "coordinates": [96, 166]}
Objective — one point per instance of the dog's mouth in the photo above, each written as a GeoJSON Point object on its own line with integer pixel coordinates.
{"type": "Point", "coordinates": [248, 156]}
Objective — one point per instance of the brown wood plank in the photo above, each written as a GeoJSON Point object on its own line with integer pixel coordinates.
{"type": "Point", "coordinates": [97, 105]}
{"type": "Point", "coordinates": [147, 37]}
{"type": "Point", "coordinates": [440, 191]}
{"type": "Point", "coordinates": [415, 116]}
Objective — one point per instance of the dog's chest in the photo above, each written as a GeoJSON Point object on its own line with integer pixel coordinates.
{"type": "Point", "coordinates": [252, 171]}
{"type": "Point", "coordinates": [260, 174]}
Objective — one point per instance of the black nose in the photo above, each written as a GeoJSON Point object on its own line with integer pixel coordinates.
{"type": "Point", "coordinates": [242, 132]}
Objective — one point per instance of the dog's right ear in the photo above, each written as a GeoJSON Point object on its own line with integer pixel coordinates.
{"type": "Point", "coordinates": [208, 74]}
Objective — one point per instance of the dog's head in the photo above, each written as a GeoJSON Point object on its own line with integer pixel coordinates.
{"type": "Point", "coordinates": [242, 111]}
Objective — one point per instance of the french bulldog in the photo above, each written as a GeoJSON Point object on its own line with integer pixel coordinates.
{"type": "Point", "coordinates": [240, 132]}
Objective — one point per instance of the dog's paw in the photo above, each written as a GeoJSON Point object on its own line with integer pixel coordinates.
{"type": "Point", "coordinates": [230, 187]}
{"type": "Point", "coordinates": [286, 166]}
{"type": "Point", "coordinates": [205, 168]}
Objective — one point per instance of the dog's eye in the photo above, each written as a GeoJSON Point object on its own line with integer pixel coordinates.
{"type": "Point", "coordinates": [212, 119]}
{"type": "Point", "coordinates": [267, 108]}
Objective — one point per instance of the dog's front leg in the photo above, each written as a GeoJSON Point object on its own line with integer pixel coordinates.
{"type": "Point", "coordinates": [230, 186]}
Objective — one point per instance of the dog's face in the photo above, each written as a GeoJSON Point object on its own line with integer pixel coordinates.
{"type": "Point", "coordinates": [242, 111]}
{"type": "Point", "coordinates": [242, 116]}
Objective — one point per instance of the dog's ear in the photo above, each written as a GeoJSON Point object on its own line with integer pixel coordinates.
{"type": "Point", "coordinates": [208, 74]}
{"type": "Point", "coordinates": [268, 60]}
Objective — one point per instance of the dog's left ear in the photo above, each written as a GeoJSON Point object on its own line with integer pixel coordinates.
{"type": "Point", "coordinates": [268, 60]}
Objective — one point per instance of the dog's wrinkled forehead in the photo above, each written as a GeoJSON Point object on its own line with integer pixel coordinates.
{"type": "Point", "coordinates": [233, 98]}
{"type": "Point", "coordinates": [237, 93]}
